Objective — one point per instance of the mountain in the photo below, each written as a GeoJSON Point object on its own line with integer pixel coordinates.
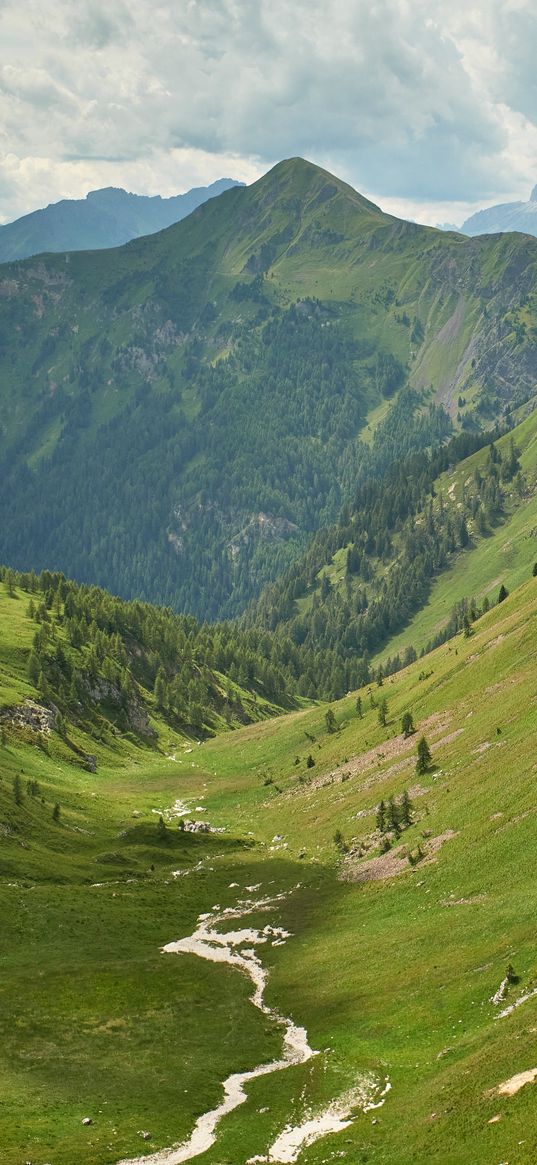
{"type": "Point", "coordinates": [104, 218]}
{"type": "Point", "coordinates": [182, 414]}
{"type": "Point", "coordinates": [508, 216]}
{"type": "Point", "coordinates": [388, 914]}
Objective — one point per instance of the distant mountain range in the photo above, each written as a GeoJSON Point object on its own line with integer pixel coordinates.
{"type": "Point", "coordinates": [508, 216]}
{"type": "Point", "coordinates": [104, 218]}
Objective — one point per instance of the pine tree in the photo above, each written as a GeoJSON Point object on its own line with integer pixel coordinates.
{"type": "Point", "coordinates": [34, 668]}
{"type": "Point", "coordinates": [406, 809]}
{"type": "Point", "coordinates": [359, 709]}
{"type": "Point", "coordinates": [381, 817]}
{"type": "Point", "coordinates": [503, 593]}
{"type": "Point", "coordinates": [330, 720]}
{"type": "Point", "coordinates": [424, 757]}
{"type": "Point", "coordinates": [392, 815]}
{"type": "Point", "coordinates": [162, 832]}
{"type": "Point", "coordinates": [160, 689]}
{"type": "Point", "coordinates": [56, 812]}
{"type": "Point", "coordinates": [407, 724]}
{"type": "Point", "coordinates": [61, 725]}
{"type": "Point", "coordinates": [383, 712]}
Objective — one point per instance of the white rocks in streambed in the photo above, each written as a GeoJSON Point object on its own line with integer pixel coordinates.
{"type": "Point", "coordinates": [217, 947]}
{"type": "Point", "coordinates": [517, 1003]}
{"type": "Point", "coordinates": [500, 994]}
{"type": "Point", "coordinates": [287, 1147]}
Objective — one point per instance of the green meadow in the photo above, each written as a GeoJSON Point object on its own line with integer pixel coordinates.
{"type": "Point", "coordinates": [391, 976]}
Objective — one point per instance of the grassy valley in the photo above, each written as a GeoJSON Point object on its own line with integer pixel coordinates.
{"type": "Point", "coordinates": [393, 957]}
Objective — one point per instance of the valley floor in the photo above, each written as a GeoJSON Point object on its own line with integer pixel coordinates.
{"type": "Point", "coordinates": [143, 968]}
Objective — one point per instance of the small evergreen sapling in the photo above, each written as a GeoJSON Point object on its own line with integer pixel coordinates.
{"type": "Point", "coordinates": [339, 842]}
{"type": "Point", "coordinates": [330, 720]}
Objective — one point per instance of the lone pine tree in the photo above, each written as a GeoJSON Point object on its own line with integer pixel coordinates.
{"type": "Point", "coordinates": [407, 724]}
{"type": "Point", "coordinates": [424, 757]}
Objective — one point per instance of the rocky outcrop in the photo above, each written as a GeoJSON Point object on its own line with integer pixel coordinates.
{"type": "Point", "coordinates": [201, 827]}
{"type": "Point", "coordinates": [30, 715]}
{"type": "Point", "coordinates": [103, 691]}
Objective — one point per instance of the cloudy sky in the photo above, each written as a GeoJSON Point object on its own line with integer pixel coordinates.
{"type": "Point", "coordinates": [427, 106]}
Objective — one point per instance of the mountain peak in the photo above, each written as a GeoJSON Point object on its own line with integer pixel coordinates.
{"type": "Point", "coordinates": [109, 194]}
{"type": "Point", "coordinates": [533, 195]}
{"type": "Point", "coordinates": [305, 178]}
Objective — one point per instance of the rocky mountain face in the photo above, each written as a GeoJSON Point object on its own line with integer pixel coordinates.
{"type": "Point", "coordinates": [509, 216]}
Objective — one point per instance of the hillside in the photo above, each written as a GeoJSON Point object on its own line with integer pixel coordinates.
{"type": "Point", "coordinates": [414, 555]}
{"type": "Point", "coordinates": [388, 944]}
{"type": "Point", "coordinates": [104, 218]}
{"type": "Point", "coordinates": [102, 674]}
{"type": "Point", "coordinates": [509, 216]}
{"type": "Point", "coordinates": [182, 414]}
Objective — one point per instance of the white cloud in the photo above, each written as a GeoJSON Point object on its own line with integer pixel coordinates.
{"type": "Point", "coordinates": [420, 103]}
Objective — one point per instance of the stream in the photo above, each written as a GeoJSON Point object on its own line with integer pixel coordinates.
{"type": "Point", "coordinates": [236, 948]}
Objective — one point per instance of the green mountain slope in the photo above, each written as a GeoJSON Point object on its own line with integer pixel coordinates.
{"type": "Point", "coordinates": [396, 944]}
{"type": "Point", "coordinates": [414, 556]}
{"type": "Point", "coordinates": [102, 674]}
{"type": "Point", "coordinates": [181, 414]}
{"type": "Point", "coordinates": [104, 218]}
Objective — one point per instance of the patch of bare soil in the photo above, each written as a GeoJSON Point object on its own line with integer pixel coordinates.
{"type": "Point", "coordinates": [394, 862]}
{"type": "Point", "coordinates": [515, 1083]}
{"type": "Point", "coordinates": [404, 746]}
